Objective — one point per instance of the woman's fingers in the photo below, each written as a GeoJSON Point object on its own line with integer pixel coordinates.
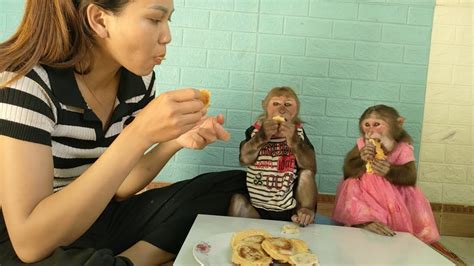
{"type": "Point", "coordinates": [207, 134]}
{"type": "Point", "coordinates": [199, 141]}
{"type": "Point", "coordinates": [183, 95]}
{"type": "Point", "coordinates": [221, 133]}
{"type": "Point", "coordinates": [191, 106]}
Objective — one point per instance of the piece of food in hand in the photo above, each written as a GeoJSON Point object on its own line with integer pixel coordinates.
{"type": "Point", "coordinates": [290, 229]}
{"type": "Point", "coordinates": [255, 236]}
{"type": "Point", "coordinates": [304, 259]}
{"type": "Point", "coordinates": [279, 118]}
{"type": "Point", "coordinates": [379, 154]}
{"type": "Point", "coordinates": [281, 249]}
{"type": "Point", "coordinates": [247, 253]}
{"type": "Point", "coordinates": [205, 97]}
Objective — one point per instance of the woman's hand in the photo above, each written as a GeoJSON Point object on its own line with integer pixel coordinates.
{"type": "Point", "coordinates": [303, 217]}
{"type": "Point", "coordinates": [367, 153]}
{"type": "Point", "coordinates": [169, 115]}
{"type": "Point", "coordinates": [209, 130]}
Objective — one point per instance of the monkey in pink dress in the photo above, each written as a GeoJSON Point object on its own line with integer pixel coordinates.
{"type": "Point", "coordinates": [387, 199]}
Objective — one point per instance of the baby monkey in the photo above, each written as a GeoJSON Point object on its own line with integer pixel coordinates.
{"type": "Point", "coordinates": [281, 164]}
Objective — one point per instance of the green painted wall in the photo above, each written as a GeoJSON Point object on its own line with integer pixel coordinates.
{"type": "Point", "coordinates": [341, 56]}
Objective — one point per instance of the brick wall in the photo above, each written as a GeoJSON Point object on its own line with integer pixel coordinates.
{"type": "Point", "coordinates": [341, 56]}
{"type": "Point", "coordinates": [447, 147]}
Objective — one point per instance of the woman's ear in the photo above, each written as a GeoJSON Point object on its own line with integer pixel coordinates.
{"type": "Point", "coordinates": [96, 17]}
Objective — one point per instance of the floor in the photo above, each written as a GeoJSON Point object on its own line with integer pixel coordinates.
{"type": "Point", "coordinates": [462, 246]}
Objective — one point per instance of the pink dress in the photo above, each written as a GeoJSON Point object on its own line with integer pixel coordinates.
{"type": "Point", "coordinates": [372, 198]}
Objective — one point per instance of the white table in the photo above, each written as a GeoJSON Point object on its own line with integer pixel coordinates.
{"type": "Point", "coordinates": [334, 245]}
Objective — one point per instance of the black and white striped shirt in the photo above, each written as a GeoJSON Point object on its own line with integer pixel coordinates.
{"type": "Point", "coordinates": [46, 107]}
{"type": "Point", "coordinates": [271, 179]}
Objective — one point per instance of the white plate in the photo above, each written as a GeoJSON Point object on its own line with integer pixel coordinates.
{"type": "Point", "coordinates": [214, 250]}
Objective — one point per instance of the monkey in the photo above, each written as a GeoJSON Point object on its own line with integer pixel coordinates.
{"type": "Point", "coordinates": [385, 124]}
{"type": "Point", "coordinates": [383, 198]}
{"type": "Point", "coordinates": [281, 164]}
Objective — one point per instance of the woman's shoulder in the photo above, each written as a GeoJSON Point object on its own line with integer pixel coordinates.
{"type": "Point", "coordinates": [34, 83]}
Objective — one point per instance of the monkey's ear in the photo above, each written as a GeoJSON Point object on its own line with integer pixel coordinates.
{"type": "Point", "coordinates": [400, 120]}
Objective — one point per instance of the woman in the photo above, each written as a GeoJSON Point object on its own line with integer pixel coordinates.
{"type": "Point", "coordinates": [77, 114]}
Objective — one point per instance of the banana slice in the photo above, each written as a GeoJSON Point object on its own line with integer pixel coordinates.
{"type": "Point", "coordinates": [379, 154]}
{"type": "Point", "coordinates": [205, 97]}
{"type": "Point", "coordinates": [290, 229]}
{"type": "Point", "coordinates": [279, 118]}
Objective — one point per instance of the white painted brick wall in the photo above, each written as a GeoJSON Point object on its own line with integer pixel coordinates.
{"type": "Point", "coordinates": [445, 169]}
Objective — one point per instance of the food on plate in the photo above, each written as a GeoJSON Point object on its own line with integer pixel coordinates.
{"type": "Point", "coordinates": [258, 247]}
{"type": "Point", "coordinates": [279, 118]}
{"type": "Point", "coordinates": [251, 236]}
{"type": "Point", "coordinates": [304, 259]}
{"type": "Point", "coordinates": [290, 229]}
{"type": "Point", "coordinates": [379, 154]}
{"type": "Point", "coordinates": [248, 253]}
{"type": "Point", "coordinates": [280, 249]}
{"type": "Point", "coordinates": [205, 97]}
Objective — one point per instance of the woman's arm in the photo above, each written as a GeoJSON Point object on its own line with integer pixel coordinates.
{"type": "Point", "coordinates": [206, 132]}
{"type": "Point", "coordinates": [147, 168]}
{"type": "Point", "coordinates": [39, 220]}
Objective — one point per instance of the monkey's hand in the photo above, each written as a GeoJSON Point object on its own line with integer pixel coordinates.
{"type": "Point", "coordinates": [268, 129]}
{"type": "Point", "coordinates": [381, 167]}
{"type": "Point", "coordinates": [288, 130]}
{"type": "Point", "coordinates": [303, 216]}
{"type": "Point", "coordinates": [377, 228]}
{"type": "Point", "coordinates": [388, 143]}
{"type": "Point", "coordinates": [367, 153]}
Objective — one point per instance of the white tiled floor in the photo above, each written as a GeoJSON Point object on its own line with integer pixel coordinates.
{"type": "Point", "coordinates": [462, 246]}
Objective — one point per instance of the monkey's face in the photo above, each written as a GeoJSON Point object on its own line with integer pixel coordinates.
{"type": "Point", "coordinates": [283, 106]}
{"type": "Point", "coordinates": [375, 127]}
